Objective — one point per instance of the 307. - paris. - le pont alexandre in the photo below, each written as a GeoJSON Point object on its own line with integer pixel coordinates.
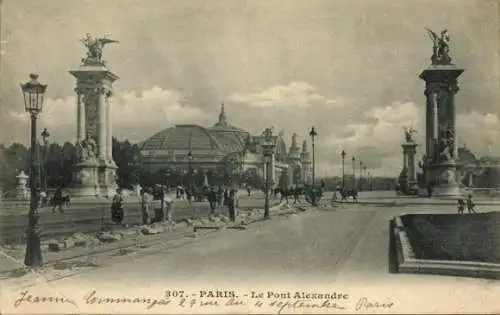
{"type": "Point", "coordinates": [276, 295]}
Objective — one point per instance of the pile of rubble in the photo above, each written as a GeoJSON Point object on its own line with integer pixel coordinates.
{"type": "Point", "coordinates": [218, 220]}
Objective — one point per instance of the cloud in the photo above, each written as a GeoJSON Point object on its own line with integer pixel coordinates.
{"type": "Point", "coordinates": [295, 94]}
{"type": "Point", "coordinates": [134, 116]}
{"type": "Point", "coordinates": [373, 136]}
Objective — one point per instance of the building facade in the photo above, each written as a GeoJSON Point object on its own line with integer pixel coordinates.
{"type": "Point", "coordinates": [221, 153]}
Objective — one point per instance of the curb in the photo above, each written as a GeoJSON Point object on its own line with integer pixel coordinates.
{"type": "Point", "coordinates": [408, 263]}
{"type": "Point", "coordinates": [404, 203]}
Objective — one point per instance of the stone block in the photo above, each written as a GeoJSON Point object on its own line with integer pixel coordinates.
{"type": "Point", "coordinates": [107, 237]}
{"type": "Point", "coordinates": [54, 246]}
{"type": "Point", "coordinates": [152, 230]}
{"type": "Point", "coordinates": [69, 243]}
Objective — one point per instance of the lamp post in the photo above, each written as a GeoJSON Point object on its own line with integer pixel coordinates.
{"type": "Point", "coordinates": [313, 135]}
{"type": "Point", "coordinates": [354, 173]}
{"type": "Point", "coordinates": [33, 95]}
{"type": "Point", "coordinates": [365, 176]}
{"type": "Point", "coordinates": [343, 167]}
{"type": "Point", "coordinates": [45, 136]}
{"type": "Point", "coordinates": [360, 181]}
{"type": "Point", "coordinates": [268, 150]}
{"type": "Point", "coordinates": [190, 170]}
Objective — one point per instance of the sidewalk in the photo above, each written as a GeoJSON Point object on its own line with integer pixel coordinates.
{"type": "Point", "coordinates": [9, 263]}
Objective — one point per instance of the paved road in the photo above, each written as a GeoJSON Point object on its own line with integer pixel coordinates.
{"type": "Point", "coordinates": [88, 216]}
{"type": "Point", "coordinates": [343, 248]}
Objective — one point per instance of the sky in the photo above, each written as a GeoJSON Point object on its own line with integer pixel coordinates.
{"type": "Point", "coordinates": [348, 68]}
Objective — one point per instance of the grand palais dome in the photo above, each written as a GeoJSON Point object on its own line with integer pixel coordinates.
{"type": "Point", "coordinates": [208, 146]}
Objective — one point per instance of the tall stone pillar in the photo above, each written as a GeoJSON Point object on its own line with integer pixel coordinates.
{"type": "Point", "coordinates": [441, 87]}
{"type": "Point", "coordinates": [80, 116]}
{"type": "Point", "coordinates": [409, 163]}
{"type": "Point", "coordinates": [109, 135]}
{"type": "Point", "coordinates": [94, 174]}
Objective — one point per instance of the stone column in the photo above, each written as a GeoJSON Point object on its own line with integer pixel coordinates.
{"type": "Point", "coordinates": [101, 107]}
{"type": "Point", "coordinates": [109, 134]}
{"type": "Point", "coordinates": [409, 151]}
{"type": "Point", "coordinates": [80, 114]}
{"type": "Point", "coordinates": [441, 87]}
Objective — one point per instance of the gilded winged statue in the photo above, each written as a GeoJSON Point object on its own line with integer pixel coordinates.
{"type": "Point", "coordinates": [94, 48]}
{"type": "Point", "coordinates": [440, 48]}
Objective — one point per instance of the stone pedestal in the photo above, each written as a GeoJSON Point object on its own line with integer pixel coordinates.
{"type": "Point", "coordinates": [441, 144]}
{"type": "Point", "coordinates": [21, 189]}
{"type": "Point", "coordinates": [94, 175]}
{"type": "Point", "coordinates": [409, 163]}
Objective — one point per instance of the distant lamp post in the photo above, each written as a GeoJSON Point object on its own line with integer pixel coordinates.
{"type": "Point", "coordinates": [268, 150]}
{"type": "Point", "coordinates": [313, 135]}
{"type": "Point", "coordinates": [343, 168]}
{"type": "Point", "coordinates": [360, 181]}
{"type": "Point", "coordinates": [190, 170]}
{"type": "Point", "coordinates": [354, 173]}
{"type": "Point", "coordinates": [45, 137]}
{"type": "Point", "coordinates": [33, 95]}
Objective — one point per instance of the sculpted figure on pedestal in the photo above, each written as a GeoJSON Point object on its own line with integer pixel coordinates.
{"type": "Point", "coordinates": [441, 48]}
{"type": "Point", "coordinates": [94, 49]}
{"type": "Point", "coordinates": [446, 143]}
{"type": "Point", "coordinates": [88, 149]}
{"type": "Point", "coordinates": [409, 132]}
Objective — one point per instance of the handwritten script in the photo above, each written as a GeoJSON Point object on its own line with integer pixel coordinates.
{"type": "Point", "coordinates": [280, 302]}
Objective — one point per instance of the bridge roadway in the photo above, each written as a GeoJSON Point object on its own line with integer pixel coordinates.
{"type": "Point", "coordinates": [340, 248]}
{"type": "Point", "coordinates": [87, 215]}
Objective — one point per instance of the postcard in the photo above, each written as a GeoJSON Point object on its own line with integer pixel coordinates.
{"type": "Point", "coordinates": [249, 157]}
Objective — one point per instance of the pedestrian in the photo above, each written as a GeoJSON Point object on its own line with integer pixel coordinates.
{"type": "Point", "coordinates": [249, 190]}
{"type": "Point", "coordinates": [117, 213]}
{"type": "Point", "coordinates": [220, 193]}
{"type": "Point", "coordinates": [212, 199]}
{"type": "Point", "coordinates": [146, 200]}
{"type": "Point", "coordinates": [470, 205]}
{"type": "Point", "coordinates": [226, 196]}
{"type": "Point", "coordinates": [460, 206]}
{"type": "Point", "coordinates": [58, 201]}
{"type": "Point", "coordinates": [168, 204]}
{"type": "Point", "coordinates": [232, 204]}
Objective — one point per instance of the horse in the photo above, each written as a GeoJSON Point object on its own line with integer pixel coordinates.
{"type": "Point", "coordinates": [349, 193]}
{"type": "Point", "coordinates": [60, 199]}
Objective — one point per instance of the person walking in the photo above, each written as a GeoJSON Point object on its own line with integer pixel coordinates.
{"type": "Point", "coordinates": [220, 193]}
{"type": "Point", "coordinates": [168, 204]}
{"type": "Point", "coordinates": [471, 205]}
{"type": "Point", "coordinates": [146, 201]}
{"type": "Point", "coordinates": [57, 200]}
{"type": "Point", "coordinates": [212, 199]}
{"type": "Point", "coordinates": [460, 206]}
{"type": "Point", "coordinates": [117, 212]}
{"type": "Point", "coordinates": [232, 202]}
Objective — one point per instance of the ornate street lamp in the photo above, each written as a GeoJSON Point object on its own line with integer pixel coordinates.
{"type": "Point", "coordinates": [313, 135]}
{"type": "Point", "coordinates": [33, 95]}
{"type": "Point", "coordinates": [268, 150]}
{"type": "Point", "coordinates": [45, 136]}
{"type": "Point", "coordinates": [343, 167]}
{"type": "Point", "coordinates": [354, 173]}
